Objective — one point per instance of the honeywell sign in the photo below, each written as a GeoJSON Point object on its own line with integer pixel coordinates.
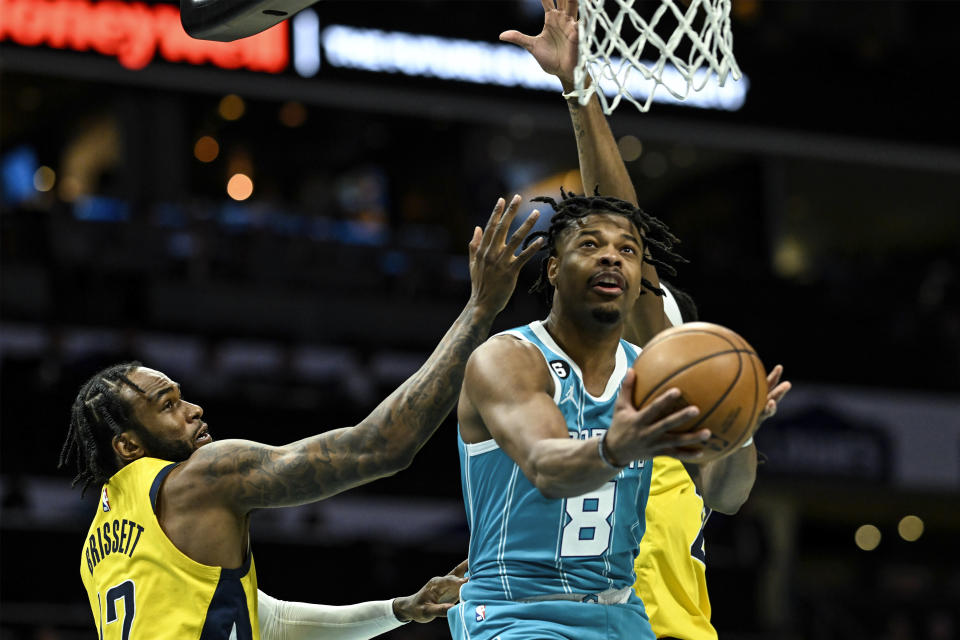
{"type": "Point", "coordinates": [135, 33]}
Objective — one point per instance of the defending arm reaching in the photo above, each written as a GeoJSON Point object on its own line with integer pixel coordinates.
{"type": "Point", "coordinates": [601, 166]}
{"type": "Point", "coordinates": [249, 475]}
{"type": "Point", "coordinates": [205, 502]}
{"type": "Point", "coordinates": [281, 620]}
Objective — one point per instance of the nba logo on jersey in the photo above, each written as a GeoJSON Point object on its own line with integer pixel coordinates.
{"type": "Point", "coordinates": [481, 613]}
{"type": "Point", "coordinates": [104, 501]}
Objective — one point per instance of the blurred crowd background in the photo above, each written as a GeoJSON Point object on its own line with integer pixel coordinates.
{"type": "Point", "coordinates": [290, 246]}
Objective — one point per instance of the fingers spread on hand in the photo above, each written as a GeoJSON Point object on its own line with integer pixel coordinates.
{"type": "Point", "coordinates": [669, 400]}
{"type": "Point", "coordinates": [779, 391]}
{"type": "Point", "coordinates": [548, 5]}
{"type": "Point", "coordinates": [524, 256]}
{"type": "Point", "coordinates": [774, 376]}
{"type": "Point", "coordinates": [489, 230]}
{"type": "Point", "coordinates": [495, 215]}
{"type": "Point", "coordinates": [773, 398]}
{"type": "Point", "coordinates": [475, 242]}
{"type": "Point", "coordinates": [569, 7]}
{"type": "Point", "coordinates": [770, 409]}
{"type": "Point", "coordinates": [517, 38]}
{"type": "Point", "coordinates": [517, 238]}
{"type": "Point", "coordinates": [675, 420]}
{"type": "Point", "coordinates": [506, 220]}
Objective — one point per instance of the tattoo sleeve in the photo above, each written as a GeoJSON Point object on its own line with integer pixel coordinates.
{"type": "Point", "coordinates": [250, 475]}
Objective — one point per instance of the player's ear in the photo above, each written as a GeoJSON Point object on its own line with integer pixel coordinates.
{"type": "Point", "coordinates": [553, 267]}
{"type": "Point", "coordinates": [128, 447]}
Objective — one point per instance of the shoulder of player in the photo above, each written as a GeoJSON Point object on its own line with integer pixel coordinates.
{"type": "Point", "coordinates": [507, 360]}
{"type": "Point", "coordinates": [208, 472]}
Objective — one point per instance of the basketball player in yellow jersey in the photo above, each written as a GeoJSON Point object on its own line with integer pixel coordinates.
{"type": "Point", "coordinates": [670, 564]}
{"type": "Point", "coordinates": [168, 554]}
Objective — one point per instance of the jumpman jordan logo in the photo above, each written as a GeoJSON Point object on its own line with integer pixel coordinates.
{"type": "Point", "coordinates": [569, 397]}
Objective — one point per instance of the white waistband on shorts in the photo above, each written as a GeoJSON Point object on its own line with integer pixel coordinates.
{"type": "Point", "coordinates": [610, 596]}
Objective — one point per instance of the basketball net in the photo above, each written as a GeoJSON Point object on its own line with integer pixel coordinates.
{"type": "Point", "coordinates": [678, 50]}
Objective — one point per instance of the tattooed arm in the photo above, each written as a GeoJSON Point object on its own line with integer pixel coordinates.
{"type": "Point", "coordinates": [248, 475]}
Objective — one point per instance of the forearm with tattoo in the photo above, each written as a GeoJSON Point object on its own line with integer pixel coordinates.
{"type": "Point", "coordinates": [252, 475]}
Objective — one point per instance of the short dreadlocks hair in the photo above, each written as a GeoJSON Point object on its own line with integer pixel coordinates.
{"type": "Point", "coordinates": [657, 239]}
{"type": "Point", "coordinates": [99, 413]}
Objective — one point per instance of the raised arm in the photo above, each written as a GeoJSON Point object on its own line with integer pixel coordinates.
{"type": "Point", "coordinates": [246, 475]}
{"type": "Point", "coordinates": [601, 166]}
{"type": "Point", "coordinates": [508, 394]}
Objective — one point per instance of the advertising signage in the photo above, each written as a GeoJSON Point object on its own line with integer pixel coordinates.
{"type": "Point", "coordinates": [135, 33]}
{"type": "Point", "coordinates": [138, 33]}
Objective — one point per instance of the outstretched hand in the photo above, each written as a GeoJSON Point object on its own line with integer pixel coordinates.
{"type": "Point", "coordinates": [776, 390]}
{"type": "Point", "coordinates": [555, 48]}
{"type": "Point", "coordinates": [493, 266]}
{"type": "Point", "coordinates": [434, 599]}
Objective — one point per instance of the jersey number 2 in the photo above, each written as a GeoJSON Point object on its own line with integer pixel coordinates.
{"type": "Point", "coordinates": [124, 591]}
{"type": "Point", "coordinates": [588, 532]}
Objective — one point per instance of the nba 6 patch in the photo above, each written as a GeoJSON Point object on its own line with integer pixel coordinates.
{"type": "Point", "coordinates": [561, 368]}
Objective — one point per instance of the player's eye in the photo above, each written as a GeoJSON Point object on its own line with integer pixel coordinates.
{"type": "Point", "coordinates": [588, 243]}
{"type": "Point", "coordinates": [629, 250]}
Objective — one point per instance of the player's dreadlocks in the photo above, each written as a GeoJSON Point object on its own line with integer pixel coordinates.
{"type": "Point", "coordinates": [657, 239]}
{"type": "Point", "coordinates": [99, 412]}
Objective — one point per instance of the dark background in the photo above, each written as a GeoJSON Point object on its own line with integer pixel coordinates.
{"type": "Point", "coordinates": [821, 220]}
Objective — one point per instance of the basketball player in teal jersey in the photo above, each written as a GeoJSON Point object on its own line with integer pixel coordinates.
{"type": "Point", "coordinates": [671, 576]}
{"type": "Point", "coordinates": [554, 457]}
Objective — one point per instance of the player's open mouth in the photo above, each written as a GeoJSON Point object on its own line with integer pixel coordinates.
{"type": "Point", "coordinates": [608, 283]}
{"type": "Point", "coordinates": [203, 435]}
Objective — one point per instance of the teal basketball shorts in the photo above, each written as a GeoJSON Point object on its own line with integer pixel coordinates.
{"type": "Point", "coordinates": [549, 620]}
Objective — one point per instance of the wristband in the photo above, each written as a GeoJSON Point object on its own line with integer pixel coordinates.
{"type": "Point", "coordinates": [747, 443]}
{"type": "Point", "coordinates": [603, 456]}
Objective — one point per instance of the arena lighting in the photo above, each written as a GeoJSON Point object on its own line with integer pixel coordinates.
{"type": "Point", "coordinates": [135, 33]}
{"type": "Point", "coordinates": [44, 178]}
{"type": "Point", "coordinates": [240, 186]}
{"type": "Point", "coordinates": [487, 63]}
{"type": "Point", "coordinates": [910, 528]}
{"type": "Point", "coordinates": [867, 537]}
{"type": "Point", "coordinates": [306, 43]}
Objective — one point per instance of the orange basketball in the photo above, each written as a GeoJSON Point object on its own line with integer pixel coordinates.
{"type": "Point", "coordinates": [716, 370]}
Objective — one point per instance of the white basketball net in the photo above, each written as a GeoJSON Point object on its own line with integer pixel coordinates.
{"type": "Point", "coordinates": [634, 66]}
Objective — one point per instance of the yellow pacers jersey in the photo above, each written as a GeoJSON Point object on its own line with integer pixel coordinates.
{"type": "Point", "coordinates": [142, 587]}
{"type": "Point", "coordinates": [671, 574]}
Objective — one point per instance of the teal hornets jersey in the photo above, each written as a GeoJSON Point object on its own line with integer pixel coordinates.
{"type": "Point", "coordinates": [524, 545]}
